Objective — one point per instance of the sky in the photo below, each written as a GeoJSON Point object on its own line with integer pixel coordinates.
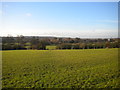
{"type": "Point", "coordinates": [60, 19]}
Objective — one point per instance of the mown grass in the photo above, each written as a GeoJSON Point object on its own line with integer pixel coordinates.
{"type": "Point", "coordinates": [90, 68]}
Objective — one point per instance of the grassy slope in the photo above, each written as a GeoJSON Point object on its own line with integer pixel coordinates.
{"type": "Point", "coordinates": [60, 68]}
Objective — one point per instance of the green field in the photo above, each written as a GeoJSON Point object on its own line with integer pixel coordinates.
{"type": "Point", "coordinates": [88, 68]}
{"type": "Point", "coordinates": [51, 47]}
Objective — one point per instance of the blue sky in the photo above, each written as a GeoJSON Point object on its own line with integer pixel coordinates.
{"type": "Point", "coordinates": [69, 19]}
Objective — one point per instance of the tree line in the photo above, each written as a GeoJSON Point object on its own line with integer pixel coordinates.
{"type": "Point", "coordinates": [88, 45]}
{"type": "Point", "coordinates": [23, 42]}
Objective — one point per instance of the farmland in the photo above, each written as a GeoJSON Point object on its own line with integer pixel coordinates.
{"type": "Point", "coordinates": [88, 68]}
{"type": "Point", "coordinates": [49, 47]}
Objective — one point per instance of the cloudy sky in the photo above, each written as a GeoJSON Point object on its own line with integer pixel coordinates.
{"type": "Point", "coordinates": [62, 19]}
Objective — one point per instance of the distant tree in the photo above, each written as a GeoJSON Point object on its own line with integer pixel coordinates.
{"type": "Point", "coordinates": [82, 45]}
{"type": "Point", "coordinates": [59, 46]}
{"type": "Point", "coordinates": [6, 46]}
{"type": "Point", "coordinates": [21, 42]}
{"type": "Point", "coordinates": [42, 44]}
{"type": "Point", "coordinates": [33, 46]}
{"type": "Point", "coordinates": [114, 45]}
{"type": "Point", "coordinates": [107, 44]}
{"type": "Point", "coordinates": [77, 40]}
{"type": "Point", "coordinates": [8, 39]}
{"type": "Point", "coordinates": [34, 41]}
{"type": "Point", "coordinates": [75, 46]}
{"type": "Point", "coordinates": [90, 46]}
{"type": "Point", "coordinates": [64, 46]}
{"type": "Point", "coordinates": [93, 45]}
{"type": "Point", "coordinates": [71, 41]}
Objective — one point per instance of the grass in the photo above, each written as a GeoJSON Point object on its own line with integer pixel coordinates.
{"type": "Point", "coordinates": [88, 68]}
{"type": "Point", "coordinates": [51, 47]}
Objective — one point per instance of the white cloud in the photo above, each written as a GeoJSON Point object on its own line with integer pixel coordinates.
{"type": "Point", "coordinates": [95, 33]}
{"type": "Point", "coordinates": [28, 14]}
{"type": "Point", "coordinates": [98, 33]}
